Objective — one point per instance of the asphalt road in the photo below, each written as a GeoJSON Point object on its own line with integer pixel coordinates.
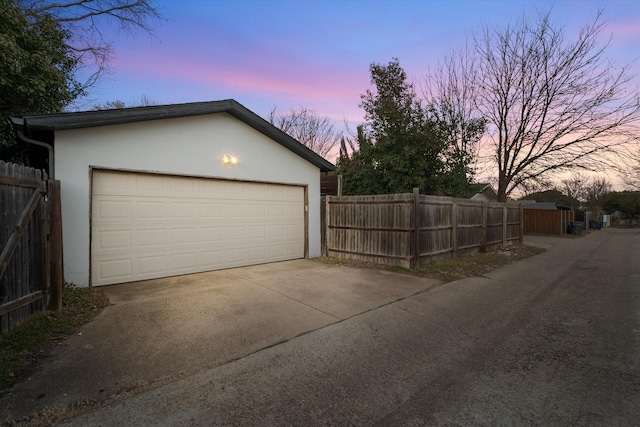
{"type": "Point", "coordinates": [551, 340]}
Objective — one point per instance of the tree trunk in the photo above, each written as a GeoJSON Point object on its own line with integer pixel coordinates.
{"type": "Point", "coordinates": [502, 187]}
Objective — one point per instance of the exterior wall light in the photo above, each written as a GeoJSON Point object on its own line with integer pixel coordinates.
{"type": "Point", "coordinates": [229, 160]}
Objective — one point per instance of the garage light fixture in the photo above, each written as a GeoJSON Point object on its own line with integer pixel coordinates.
{"type": "Point", "coordinates": [229, 160]}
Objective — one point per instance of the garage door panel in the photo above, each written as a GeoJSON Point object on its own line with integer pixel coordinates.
{"type": "Point", "coordinates": [149, 226]}
{"type": "Point", "coordinates": [113, 210]}
{"type": "Point", "coordinates": [151, 266]}
{"type": "Point", "coordinates": [277, 251]}
{"type": "Point", "coordinates": [257, 210]}
{"type": "Point", "coordinates": [146, 185]}
{"type": "Point", "coordinates": [183, 210]}
{"type": "Point", "coordinates": [114, 240]}
{"type": "Point", "coordinates": [183, 261]}
{"type": "Point", "coordinates": [183, 236]}
{"type": "Point", "coordinates": [150, 210]}
{"type": "Point", "coordinates": [118, 269]}
{"type": "Point", "coordinates": [294, 249]}
{"type": "Point", "coordinates": [234, 210]}
{"type": "Point", "coordinates": [210, 210]}
{"type": "Point", "coordinates": [235, 257]}
{"type": "Point", "coordinates": [212, 260]}
{"type": "Point", "coordinates": [152, 237]}
{"type": "Point", "coordinates": [257, 232]}
{"type": "Point", "coordinates": [212, 234]}
{"type": "Point", "coordinates": [120, 184]}
{"type": "Point", "coordinates": [294, 230]}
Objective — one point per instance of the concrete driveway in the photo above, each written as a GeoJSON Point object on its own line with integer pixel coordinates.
{"type": "Point", "coordinates": [158, 331]}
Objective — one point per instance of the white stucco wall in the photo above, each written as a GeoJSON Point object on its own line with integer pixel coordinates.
{"type": "Point", "coordinates": [183, 146]}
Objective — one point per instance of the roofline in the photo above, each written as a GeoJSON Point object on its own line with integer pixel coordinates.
{"type": "Point", "coordinates": [87, 119]}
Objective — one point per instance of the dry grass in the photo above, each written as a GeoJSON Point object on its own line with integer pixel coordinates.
{"type": "Point", "coordinates": [450, 269]}
{"type": "Point", "coordinates": [22, 348]}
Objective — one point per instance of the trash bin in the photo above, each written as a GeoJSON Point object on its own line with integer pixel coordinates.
{"type": "Point", "coordinates": [599, 225]}
{"type": "Point", "coordinates": [577, 227]}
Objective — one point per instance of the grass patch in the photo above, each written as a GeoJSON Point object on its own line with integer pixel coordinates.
{"type": "Point", "coordinates": [23, 347]}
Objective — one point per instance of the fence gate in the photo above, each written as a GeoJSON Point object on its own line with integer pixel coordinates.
{"type": "Point", "coordinates": [28, 204]}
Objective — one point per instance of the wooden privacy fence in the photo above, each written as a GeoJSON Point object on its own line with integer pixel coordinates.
{"type": "Point", "coordinates": [331, 185]}
{"type": "Point", "coordinates": [545, 221]}
{"type": "Point", "coordinates": [30, 244]}
{"type": "Point", "coordinates": [409, 230]}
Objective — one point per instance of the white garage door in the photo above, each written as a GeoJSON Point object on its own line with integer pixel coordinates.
{"type": "Point", "coordinates": [147, 226]}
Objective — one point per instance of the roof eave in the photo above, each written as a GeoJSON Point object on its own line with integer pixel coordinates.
{"type": "Point", "coordinates": [86, 119]}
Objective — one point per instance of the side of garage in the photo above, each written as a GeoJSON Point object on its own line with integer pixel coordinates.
{"type": "Point", "coordinates": [161, 191]}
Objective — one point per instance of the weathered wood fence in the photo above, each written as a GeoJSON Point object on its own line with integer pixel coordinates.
{"type": "Point", "coordinates": [331, 185]}
{"type": "Point", "coordinates": [545, 221]}
{"type": "Point", "coordinates": [409, 230]}
{"type": "Point", "coordinates": [30, 244]}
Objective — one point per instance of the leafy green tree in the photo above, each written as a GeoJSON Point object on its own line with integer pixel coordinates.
{"type": "Point", "coordinates": [42, 46]}
{"type": "Point", "coordinates": [36, 70]}
{"type": "Point", "coordinates": [407, 146]}
{"type": "Point", "coordinates": [356, 165]}
{"type": "Point", "coordinates": [627, 202]}
{"type": "Point", "coordinates": [404, 144]}
{"type": "Point", "coordinates": [398, 148]}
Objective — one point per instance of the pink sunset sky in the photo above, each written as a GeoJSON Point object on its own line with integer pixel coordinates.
{"type": "Point", "coordinates": [316, 53]}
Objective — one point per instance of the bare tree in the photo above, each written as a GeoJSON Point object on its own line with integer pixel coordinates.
{"type": "Point", "coordinates": [306, 126]}
{"type": "Point", "coordinates": [142, 101]}
{"type": "Point", "coordinates": [85, 22]}
{"type": "Point", "coordinates": [574, 189]}
{"type": "Point", "coordinates": [451, 102]}
{"type": "Point", "coordinates": [551, 104]}
{"type": "Point", "coordinates": [594, 194]}
{"type": "Point", "coordinates": [631, 174]}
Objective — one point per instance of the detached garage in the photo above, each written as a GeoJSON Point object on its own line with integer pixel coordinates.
{"type": "Point", "coordinates": [162, 191]}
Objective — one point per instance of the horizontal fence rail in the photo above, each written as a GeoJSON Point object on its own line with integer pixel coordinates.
{"type": "Point", "coordinates": [409, 230]}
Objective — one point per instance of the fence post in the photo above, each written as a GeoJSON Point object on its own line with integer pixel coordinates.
{"type": "Point", "coordinates": [45, 219]}
{"type": "Point", "coordinates": [327, 221]}
{"type": "Point", "coordinates": [323, 225]}
{"type": "Point", "coordinates": [55, 248]}
{"type": "Point", "coordinates": [415, 259]}
{"type": "Point", "coordinates": [504, 224]}
{"type": "Point", "coordinates": [454, 228]}
{"type": "Point", "coordinates": [521, 209]}
{"type": "Point", "coordinates": [485, 214]}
